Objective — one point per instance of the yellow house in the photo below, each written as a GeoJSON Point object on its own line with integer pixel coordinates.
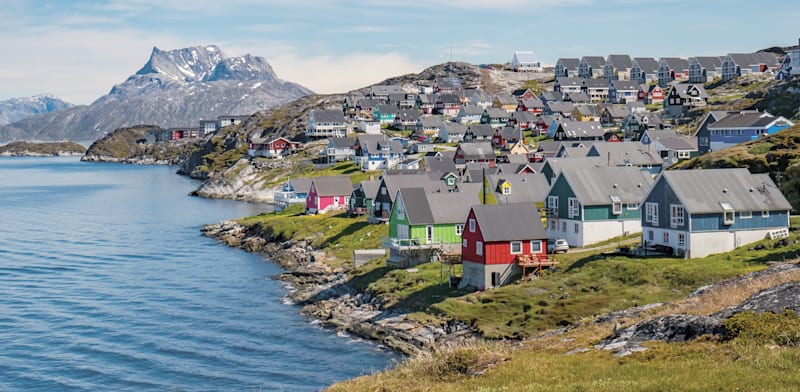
{"type": "Point", "coordinates": [518, 148]}
{"type": "Point", "coordinates": [586, 113]}
{"type": "Point", "coordinates": [516, 188]}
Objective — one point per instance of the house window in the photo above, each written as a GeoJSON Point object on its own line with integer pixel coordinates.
{"type": "Point", "coordinates": [401, 211]}
{"type": "Point", "coordinates": [551, 224]}
{"type": "Point", "coordinates": [471, 225]}
{"type": "Point", "coordinates": [651, 236]}
{"type": "Point", "coordinates": [745, 215]}
{"type": "Point", "coordinates": [552, 202]}
{"type": "Point", "coordinates": [666, 237]}
{"type": "Point", "coordinates": [675, 215]}
{"type": "Point", "coordinates": [616, 205]}
{"type": "Point", "coordinates": [383, 191]}
{"type": "Point", "coordinates": [573, 206]}
{"type": "Point", "coordinates": [536, 246]}
{"type": "Point", "coordinates": [683, 154]}
{"type": "Point", "coordinates": [576, 228]}
{"type": "Point", "coordinates": [651, 213]}
{"type": "Point", "coordinates": [563, 227]}
{"type": "Point", "coordinates": [479, 248]}
{"type": "Point", "coordinates": [681, 239]}
{"type": "Point", "coordinates": [506, 190]}
{"type": "Point", "coordinates": [765, 214]}
{"type": "Point", "coordinates": [464, 243]}
{"type": "Point", "coordinates": [632, 206]}
{"type": "Point", "coordinates": [516, 247]}
{"type": "Point", "coordinates": [727, 214]}
{"type": "Point", "coordinates": [459, 229]}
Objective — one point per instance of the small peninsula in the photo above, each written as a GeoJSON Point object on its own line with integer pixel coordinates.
{"type": "Point", "coordinates": [49, 149]}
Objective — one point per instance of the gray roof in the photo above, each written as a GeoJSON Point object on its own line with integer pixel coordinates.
{"type": "Point", "coordinates": [648, 65]}
{"type": "Point", "coordinates": [370, 188]}
{"type": "Point", "coordinates": [408, 115]}
{"type": "Point", "coordinates": [709, 62]}
{"type": "Point", "coordinates": [386, 89]}
{"type": "Point", "coordinates": [596, 186]}
{"type": "Point", "coordinates": [485, 130]}
{"type": "Point", "coordinates": [454, 128]}
{"type": "Point", "coordinates": [438, 166]}
{"type": "Point", "coordinates": [395, 182]}
{"type": "Point", "coordinates": [510, 133]}
{"type": "Point", "coordinates": [448, 98]}
{"type": "Point", "coordinates": [370, 143]}
{"type": "Point", "coordinates": [751, 59]}
{"type": "Point", "coordinates": [622, 85]}
{"type": "Point", "coordinates": [559, 164]}
{"type": "Point", "coordinates": [480, 150]}
{"type": "Point", "coordinates": [625, 153]}
{"type": "Point", "coordinates": [550, 96]}
{"type": "Point", "coordinates": [301, 185]}
{"type": "Point", "coordinates": [328, 116]}
{"type": "Point", "coordinates": [509, 222]}
{"type": "Point", "coordinates": [497, 113]}
{"type": "Point", "coordinates": [333, 185]}
{"type": "Point", "coordinates": [423, 207]}
{"type": "Point", "coordinates": [473, 110]}
{"type": "Point", "coordinates": [580, 97]}
{"type": "Point", "coordinates": [506, 99]}
{"type": "Point", "coordinates": [596, 62]}
{"type": "Point", "coordinates": [572, 152]}
{"type": "Point", "coordinates": [744, 120]}
{"type": "Point", "coordinates": [702, 191]}
{"type": "Point", "coordinates": [525, 188]}
{"type": "Point", "coordinates": [560, 107]}
{"type": "Point", "coordinates": [431, 122]}
{"type": "Point", "coordinates": [617, 111]}
{"type": "Point", "coordinates": [675, 63]}
{"type": "Point", "coordinates": [683, 89]}
{"type": "Point", "coordinates": [569, 81]}
{"type": "Point", "coordinates": [532, 102]}
{"type": "Point", "coordinates": [524, 116]}
{"type": "Point", "coordinates": [341, 142]}
{"type": "Point", "coordinates": [369, 102]}
{"type": "Point", "coordinates": [620, 61]}
{"type": "Point", "coordinates": [570, 63]}
{"type": "Point", "coordinates": [587, 109]}
{"type": "Point", "coordinates": [582, 128]}
{"type": "Point", "coordinates": [596, 83]}
{"type": "Point", "coordinates": [679, 143]}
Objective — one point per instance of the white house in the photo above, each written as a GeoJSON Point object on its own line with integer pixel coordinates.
{"type": "Point", "coordinates": [525, 62]}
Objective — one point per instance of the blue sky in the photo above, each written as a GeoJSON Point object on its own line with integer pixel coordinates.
{"type": "Point", "coordinates": [78, 50]}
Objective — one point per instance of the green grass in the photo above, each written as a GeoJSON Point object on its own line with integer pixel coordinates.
{"type": "Point", "coordinates": [347, 168]}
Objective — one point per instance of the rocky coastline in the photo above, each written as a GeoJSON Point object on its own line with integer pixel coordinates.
{"type": "Point", "coordinates": [149, 161]}
{"type": "Point", "coordinates": [43, 149]}
{"type": "Point", "coordinates": [325, 294]}
{"type": "Point", "coordinates": [27, 153]}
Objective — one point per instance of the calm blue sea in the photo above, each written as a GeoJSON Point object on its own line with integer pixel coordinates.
{"type": "Point", "coordinates": [107, 284]}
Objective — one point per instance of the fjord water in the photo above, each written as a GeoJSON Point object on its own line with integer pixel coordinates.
{"type": "Point", "coordinates": [107, 284]}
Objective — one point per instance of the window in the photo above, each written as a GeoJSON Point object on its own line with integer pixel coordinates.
{"type": "Point", "coordinates": [651, 213]}
{"type": "Point", "coordinates": [675, 215]}
{"type": "Point", "coordinates": [383, 191]}
{"type": "Point", "coordinates": [536, 246]}
{"type": "Point", "coordinates": [506, 190]}
{"type": "Point", "coordinates": [401, 211]}
{"type": "Point", "coordinates": [651, 236]}
{"type": "Point", "coordinates": [563, 227]}
{"type": "Point", "coordinates": [727, 214]}
{"type": "Point", "coordinates": [459, 229]}
{"type": "Point", "coordinates": [616, 205]}
{"type": "Point", "coordinates": [765, 214]}
{"type": "Point", "coordinates": [681, 239]}
{"type": "Point", "coordinates": [576, 228]}
{"type": "Point", "coordinates": [479, 248]}
{"type": "Point", "coordinates": [683, 154]}
{"type": "Point", "coordinates": [573, 207]}
{"type": "Point", "coordinates": [516, 247]}
{"type": "Point", "coordinates": [666, 237]}
{"type": "Point", "coordinates": [632, 206]}
{"type": "Point", "coordinates": [551, 223]}
{"type": "Point", "coordinates": [552, 202]}
{"type": "Point", "coordinates": [745, 215]}
{"type": "Point", "coordinates": [471, 225]}
{"type": "Point", "coordinates": [464, 243]}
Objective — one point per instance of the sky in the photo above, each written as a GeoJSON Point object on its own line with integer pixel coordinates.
{"type": "Point", "coordinates": [78, 49]}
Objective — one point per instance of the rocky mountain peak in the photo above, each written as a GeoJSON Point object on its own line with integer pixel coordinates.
{"type": "Point", "coordinates": [245, 68]}
{"type": "Point", "coordinates": [182, 65]}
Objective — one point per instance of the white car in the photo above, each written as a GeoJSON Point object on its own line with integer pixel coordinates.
{"type": "Point", "coordinates": [559, 245]}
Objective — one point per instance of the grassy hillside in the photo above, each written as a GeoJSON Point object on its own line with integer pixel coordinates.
{"type": "Point", "coordinates": [129, 143]}
{"type": "Point", "coordinates": [51, 148]}
{"type": "Point", "coordinates": [778, 155]}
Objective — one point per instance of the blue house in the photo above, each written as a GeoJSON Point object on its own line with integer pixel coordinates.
{"type": "Point", "coordinates": [743, 127]}
{"type": "Point", "coordinates": [695, 213]}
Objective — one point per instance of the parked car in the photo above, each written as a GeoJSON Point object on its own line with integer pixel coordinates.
{"type": "Point", "coordinates": [559, 245]}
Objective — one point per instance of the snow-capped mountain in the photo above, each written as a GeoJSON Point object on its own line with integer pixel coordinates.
{"type": "Point", "coordinates": [175, 88]}
{"type": "Point", "coordinates": [16, 109]}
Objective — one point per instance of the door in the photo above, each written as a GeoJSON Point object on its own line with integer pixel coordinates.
{"type": "Point", "coordinates": [402, 232]}
{"type": "Point", "coordinates": [429, 234]}
{"type": "Point", "coordinates": [495, 279]}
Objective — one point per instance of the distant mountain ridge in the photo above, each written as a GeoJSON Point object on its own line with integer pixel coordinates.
{"type": "Point", "coordinates": [16, 109]}
{"type": "Point", "coordinates": [175, 88]}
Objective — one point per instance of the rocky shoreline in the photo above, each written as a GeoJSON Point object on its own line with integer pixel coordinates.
{"type": "Point", "coordinates": [325, 294]}
{"type": "Point", "coordinates": [148, 161]}
{"type": "Point", "coordinates": [40, 154]}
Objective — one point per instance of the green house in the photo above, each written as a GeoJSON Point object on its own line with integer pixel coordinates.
{"type": "Point", "coordinates": [424, 222]}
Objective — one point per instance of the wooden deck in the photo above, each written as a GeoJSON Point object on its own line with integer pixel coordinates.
{"type": "Point", "coordinates": [536, 263]}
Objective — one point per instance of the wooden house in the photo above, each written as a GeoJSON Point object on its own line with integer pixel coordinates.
{"type": "Point", "coordinates": [682, 97]}
{"type": "Point", "coordinates": [566, 67]}
{"type": "Point", "coordinates": [328, 193]}
{"type": "Point", "coordinates": [738, 64]}
{"type": "Point", "coordinates": [363, 197]}
{"type": "Point", "coordinates": [695, 213]}
{"type": "Point", "coordinates": [480, 152]}
{"type": "Point", "coordinates": [496, 240]}
{"type": "Point", "coordinates": [388, 187]}
{"type": "Point", "coordinates": [617, 67]}
{"type": "Point", "coordinates": [326, 123]}
{"type": "Point", "coordinates": [525, 62]}
{"type": "Point", "coordinates": [703, 69]}
{"type": "Point", "coordinates": [672, 69]}
{"type": "Point", "coordinates": [590, 205]}
{"type": "Point", "coordinates": [644, 70]}
{"type": "Point", "coordinates": [273, 147]}
{"type": "Point", "coordinates": [742, 127]}
{"type": "Point", "coordinates": [591, 67]}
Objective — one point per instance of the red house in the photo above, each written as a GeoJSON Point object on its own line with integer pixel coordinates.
{"type": "Point", "coordinates": [328, 194]}
{"type": "Point", "coordinates": [650, 93]}
{"type": "Point", "coordinates": [275, 147]}
{"type": "Point", "coordinates": [498, 240]}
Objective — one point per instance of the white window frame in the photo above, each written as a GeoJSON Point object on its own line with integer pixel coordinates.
{"type": "Point", "coordinates": [651, 213]}
{"type": "Point", "coordinates": [471, 225]}
{"type": "Point", "coordinates": [459, 229]}
{"type": "Point", "coordinates": [511, 247]}
{"type": "Point", "coordinates": [464, 243]}
{"type": "Point", "coordinates": [682, 239]}
{"type": "Point", "coordinates": [552, 202]}
{"type": "Point", "coordinates": [573, 209]}
{"type": "Point", "coordinates": [506, 190]}
{"type": "Point", "coordinates": [616, 205]}
{"type": "Point", "coordinates": [479, 248]}
{"type": "Point", "coordinates": [538, 246]}
{"type": "Point", "coordinates": [631, 206]}
{"type": "Point", "coordinates": [665, 237]}
{"type": "Point", "coordinates": [765, 214]}
{"type": "Point", "coordinates": [728, 214]}
{"type": "Point", "coordinates": [746, 215]}
{"type": "Point", "coordinates": [576, 228]}
{"type": "Point", "coordinates": [401, 211]}
{"type": "Point", "coordinates": [676, 215]}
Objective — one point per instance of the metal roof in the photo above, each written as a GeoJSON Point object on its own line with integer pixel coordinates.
{"type": "Point", "coordinates": [509, 222]}
{"type": "Point", "coordinates": [333, 185]}
{"type": "Point", "coordinates": [596, 185]}
{"type": "Point", "coordinates": [702, 191]}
